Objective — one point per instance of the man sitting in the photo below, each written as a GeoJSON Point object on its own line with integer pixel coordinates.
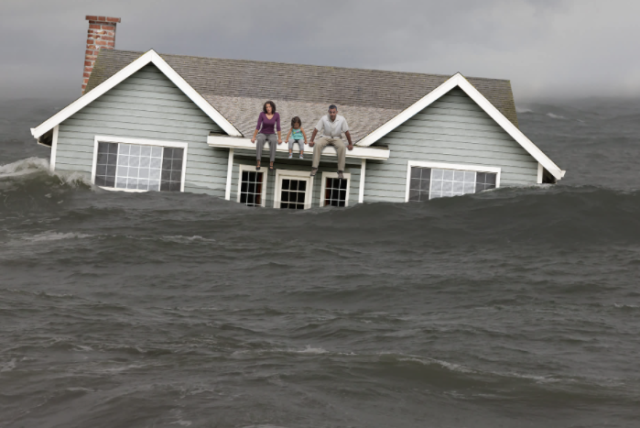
{"type": "Point", "coordinates": [332, 126]}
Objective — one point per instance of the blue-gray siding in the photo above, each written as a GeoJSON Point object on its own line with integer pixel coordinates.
{"type": "Point", "coordinates": [147, 106]}
{"type": "Point", "coordinates": [453, 130]}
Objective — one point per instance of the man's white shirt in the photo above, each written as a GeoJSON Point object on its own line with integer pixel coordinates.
{"type": "Point", "coordinates": [332, 129]}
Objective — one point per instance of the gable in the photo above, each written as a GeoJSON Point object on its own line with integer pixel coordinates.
{"type": "Point", "coordinates": [454, 129]}
{"type": "Point", "coordinates": [148, 102]}
{"type": "Point", "coordinates": [150, 57]}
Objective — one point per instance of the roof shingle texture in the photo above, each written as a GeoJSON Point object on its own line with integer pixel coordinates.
{"type": "Point", "coordinates": [367, 98]}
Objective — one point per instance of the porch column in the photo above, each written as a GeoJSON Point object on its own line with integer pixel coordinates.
{"type": "Point", "coordinates": [227, 192]}
{"type": "Point", "coordinates": [363, 169]}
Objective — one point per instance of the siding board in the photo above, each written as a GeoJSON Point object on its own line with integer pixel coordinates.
{"type": "Point", "coordinates": [147, 106]}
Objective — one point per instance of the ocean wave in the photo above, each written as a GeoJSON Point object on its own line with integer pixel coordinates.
{"type": "Point", "coordinates": [24, 167]}
{"type": "Point", "coordinates": [55, 236]}
{"type": "Point", "coordinates": [555, 116]}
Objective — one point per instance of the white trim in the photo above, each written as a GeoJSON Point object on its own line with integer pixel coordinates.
{"type": "Point", "coordinates": [54, 148]}
{"type": "Point", "coordinates": [265, 179]}
{"type": "Point", "coordinates": [296, 175]}
{"type": "Point", "coordinates": [323, 186]}
{"type": "Point", "coordinates": [225, 142]}
{"type": "Point", "coordinates": [363, 170]}
{"type": "Point", "coordinates": [139, 141]}
{"type": "Point", "coordinates": [540, 173]}
{"type": "Point", "coordinates": [458, 80]}
{"type": "Point", "coordinates": [441, 165]}
{"type": "Point", "coordinates": [150, 57]}
{"type": "Point", "coordinates": [227, 191]}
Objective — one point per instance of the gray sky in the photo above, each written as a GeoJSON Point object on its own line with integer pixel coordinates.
{"type": "Point", "coordinates": [547, 48]}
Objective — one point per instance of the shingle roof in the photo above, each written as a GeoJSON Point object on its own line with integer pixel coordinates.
{"type": "Point", "coordinates": [367, 98]}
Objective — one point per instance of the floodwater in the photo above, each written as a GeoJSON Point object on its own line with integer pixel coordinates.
{"type": "Point", "coordinates": [511, 308]}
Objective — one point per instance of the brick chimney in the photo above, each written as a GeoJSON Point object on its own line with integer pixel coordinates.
{"type": "Point", "coordinates": [101, 35]}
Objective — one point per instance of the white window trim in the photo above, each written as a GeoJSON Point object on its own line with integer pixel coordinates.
{"type": "Point", "coordinates": [323, 186]}
{"type": "Point", "coordinates": [265, 175]}
{"type": "Point", "coordinates": [296, 175]}
{"type": "Point", "coordinates": [123, 140]}
{"type": "Point", "coordinates": [441, 165]}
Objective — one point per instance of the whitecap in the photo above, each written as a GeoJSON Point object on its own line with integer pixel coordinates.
{"type": "Point", "coordinates": [23, 167]}
{"type": "Point", "coordinates": [55, 236]}
{"type": "Point", "coordinates": [180, 239]}
{"type": "Point", "coordinates": [8, 366]}
{"type": "Point", "coordinates": [555, 116]}
{"type": "Point", "coordinates": [311, 350]}
{"type": "Point", "coordinates": [522, 110]}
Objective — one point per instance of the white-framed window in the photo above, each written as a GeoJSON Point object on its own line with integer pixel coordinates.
{"type": "Point", "coordinates": [431, 180]}
{"type": "Point", "coordinates": [252, 186]}
{"type": "Point", "coordinates": [334, 191]}
{"type": "Point", "coordinates": [137, 165]}
{"type": "Point", "coordinates": [294, 190]}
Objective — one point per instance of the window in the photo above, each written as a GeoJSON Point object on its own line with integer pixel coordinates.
{"type": "Point", "coordinates": [430, 181]}
{"type": "Point", "coordinates": [335, 191]}
{"type": "Point", "coordinates": [139, 167]}
{"type": "Point", "coordinates": [293, 194]}
{"type": "Point", "coordinates": [252, 186]}
{"type": "Point", "coordinates": [293, 190]}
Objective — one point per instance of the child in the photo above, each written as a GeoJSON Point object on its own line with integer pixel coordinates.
{"type": "Point", "coordinates": [297, 136]}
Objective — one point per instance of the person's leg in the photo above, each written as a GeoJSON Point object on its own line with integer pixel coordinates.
{"type": "Point", "coordinates": [273, 145]}
{"type": "Point", "coordinates": [291, 141]}
{"type": "Point", "coordinates": [317, 151]}
{"type": "Point", "coordinates": [341, 149]}
{"type": "Point", "coordinates": [259, 144]}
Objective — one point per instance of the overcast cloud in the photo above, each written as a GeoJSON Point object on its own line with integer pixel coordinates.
{"type": "Point", "coordinates": [563, 48]}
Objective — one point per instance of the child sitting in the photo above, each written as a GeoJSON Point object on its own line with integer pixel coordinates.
{"type": "Point", "coordinates": [297, 136]}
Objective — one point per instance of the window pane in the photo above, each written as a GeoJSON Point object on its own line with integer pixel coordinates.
{"type": "Point", "coordinates": [447, 175]}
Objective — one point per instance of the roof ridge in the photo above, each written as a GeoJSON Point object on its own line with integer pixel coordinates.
{"type": "Point", "coordinates": [407, 73]}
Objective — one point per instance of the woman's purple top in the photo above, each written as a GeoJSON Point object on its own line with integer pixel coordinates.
{"type": "Point", "coordinates": [267, 124]}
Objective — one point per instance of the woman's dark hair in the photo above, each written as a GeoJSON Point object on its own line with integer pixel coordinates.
{"type": "Point", "coordinates": [295, 120]}
{"type": "Point", "coordinates": [272, 104]}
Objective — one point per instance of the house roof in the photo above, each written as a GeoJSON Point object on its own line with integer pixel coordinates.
{"type": "Point", "coordinates": [367, 98]}
{"type": "Point", "coordinates": [228, 94]}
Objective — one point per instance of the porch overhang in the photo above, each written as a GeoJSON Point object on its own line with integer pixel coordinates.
{"type": "Point", "coordinates": [358, 152]}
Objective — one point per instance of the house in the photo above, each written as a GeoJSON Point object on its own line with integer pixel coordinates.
{"type": "Point", "coordinates": [180, 123]}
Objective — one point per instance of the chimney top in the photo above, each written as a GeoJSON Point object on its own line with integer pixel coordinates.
{"type": "Point", "coordinates": [103, 19]}
{"type": "Point", "coordinates": [101, 35]}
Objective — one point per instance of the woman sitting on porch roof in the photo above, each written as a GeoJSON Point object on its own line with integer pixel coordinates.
{"type": "Point", "coordinates": [268, 123]}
